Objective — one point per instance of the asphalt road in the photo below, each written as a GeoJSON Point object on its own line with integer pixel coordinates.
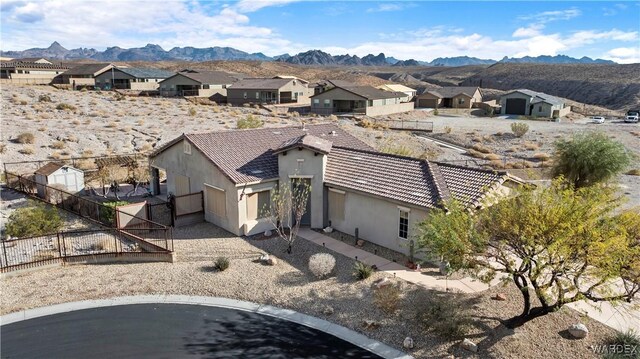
{"type": "Point", "coordinates": [168, 331]}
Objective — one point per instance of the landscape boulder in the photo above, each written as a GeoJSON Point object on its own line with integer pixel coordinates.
{"type": "Point", "coordinates": [328, 310]}
{"type": "Point", "coordinates": [360, 243]}
{"type": "Point", "coordinates": [408, 343]}
{"type": "Point", "coordinates": [579, 331]}
{"type": "Point", "coordinates": [469, 345]}
{"type": "Point", "coordinates": [271, 261]}
{"type": "Point", "coordinates": [328, 230]}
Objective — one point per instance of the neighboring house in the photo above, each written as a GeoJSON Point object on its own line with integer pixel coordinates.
{"type": "Point", "coordinates": [55, 174]}
{"type": "Point", "coordinates": [353, 187]}
{"type": "Point", "coordinates": [36, 73]}
{"type": "Point", "coordinates": [366, 100]}
{"type": "Point", "coordinates": [85, 74]}
{"type": "Point", "coordinates": [411, 93]}
{"type": "Point", "coordinates": [132, 78]}
{"type": "Point", "coordinates": [453, 97]}
{"type": "Point", "coordinates": [531, 103]}
{"type": "Point", "coordinates": [197, 83]}
{"type": "Point", "coordinates": [268, 90]}
{"type": "Point", "coordinates": [326, 85]}
{"type": "Point", "coordinates": [37, 60]}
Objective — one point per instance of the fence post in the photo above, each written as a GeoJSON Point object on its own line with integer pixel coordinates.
{"type": "Point", "coordinates": [59, 247]}
{"type": "Point", "coordinates": [64, 247]}
{"type": "Point", "coordinates": [4, 252]}
{"type": "Point", "coordinates": [115, 239]}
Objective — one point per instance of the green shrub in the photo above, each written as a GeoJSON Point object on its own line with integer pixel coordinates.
{"type": "Point", "coordinates": [26, 137]}
{"type": "Point", "coordinates": [398, 150]}
{"type": "Point", "coordinates": [362, 271]}
{"type": "Point", "coordinates": [590, 158]}
{"type": "Point", "coordinates": [192, 112]}
{"type": "Point", "coordinates": [65, 106]}
{"type": "Point", "coordinates": [519, 129]}
{"type": "Point", "coordinates": [222, 263]}
{"type": "Point", "coordinates": [35, 220]}
{"type": "Point", "coordinates": [108, 212]}
{"type": "Point", "coordinates": [444, 314]}
{"type": "Point", "coordinates": [629, 340]}
{"type": "Point", "coordinates": [249, 122]}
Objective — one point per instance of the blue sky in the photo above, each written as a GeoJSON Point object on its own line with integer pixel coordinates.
{"type": "Point", "coordinates": [421, 30]}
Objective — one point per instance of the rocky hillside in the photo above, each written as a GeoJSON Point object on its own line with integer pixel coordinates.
{"type": "Point", "coordinates": [615, 86]}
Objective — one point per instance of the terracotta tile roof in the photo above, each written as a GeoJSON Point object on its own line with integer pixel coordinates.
{"type": "Point", "coordinates": [247, 155]}
{"type": "Point", "coordinates": [33, 65]}
{"type": "Point", "coordinates": [452, 91]}
{"type": "Point", "coordinates": [146, 73]}
{"type": "Point", "coordinates": [260, 84]}
{"type": "Point", "coordinates": [208, 77]}
{"type": "Point", "coordinates": [408, 180]}
{"type": "Point", "coordinates": [307, 141]}
{"type": "Point", "coordinates": [367, 92]}
{"type": "Point", "coordinates": [49, 168]}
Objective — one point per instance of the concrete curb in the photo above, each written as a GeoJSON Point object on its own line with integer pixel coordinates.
{"type": "Point", "coordinates": [336, 330]}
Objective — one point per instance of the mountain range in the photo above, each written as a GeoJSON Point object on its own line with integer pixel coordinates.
{"type": "Point", "coordinates": [152, 52]}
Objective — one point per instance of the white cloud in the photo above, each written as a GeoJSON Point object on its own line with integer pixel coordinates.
{"type": "Point", "coordinates": [384, 7]}
{"type": "Point", "coordinates": [548, 16]}
{"type": "Point", "coordinates": [623, 55]}
{"type": "Point", "coordinates": [530, 31]}
{"type": "Point", "coordinates": [246, 6]}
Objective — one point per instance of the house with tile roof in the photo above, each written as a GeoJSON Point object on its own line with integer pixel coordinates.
{"type": "Point", "coordinates": [411, 93]}
{"type": "Point", "coordinates": [276, 90]}
{"type": "Point", "coordinates": [531, 103]}
{"type": "Point", "coordinates": [451, 97]}
{"type": "Point", "coordinates": [132, 78]}
{"type": "Point", "coordinates": [353, 187]}
{"type": "Point", "coordinates": [35, 73]}
{"type": "Point", "coordinates": [364, 100]}
{"type": "Point", "coordinates": [85, 74]}
{"type": "Point", "coordinates": [198, 83]}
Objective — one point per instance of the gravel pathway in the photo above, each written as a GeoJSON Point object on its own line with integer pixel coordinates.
{"type": "Point", "coordinates": [289, 284]}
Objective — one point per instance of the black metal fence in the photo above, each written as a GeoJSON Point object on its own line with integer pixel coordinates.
{"type": "Point", "coordinates": [75, 246]}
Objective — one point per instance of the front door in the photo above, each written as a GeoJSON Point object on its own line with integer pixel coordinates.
{"type": "Point", "coordinates": [306, 217]}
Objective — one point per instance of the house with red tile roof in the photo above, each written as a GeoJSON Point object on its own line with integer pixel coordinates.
{"type": "Point", "coordinates": [353, 187]}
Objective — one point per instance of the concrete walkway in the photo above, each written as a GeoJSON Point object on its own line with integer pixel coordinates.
{"type": "Point", "coordinates": [624, 317]}
{"type": "Point", "coordinates": [464, 285]}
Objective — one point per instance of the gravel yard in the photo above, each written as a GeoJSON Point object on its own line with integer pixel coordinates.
{"type": "Point", "coordinates": [291, 285]}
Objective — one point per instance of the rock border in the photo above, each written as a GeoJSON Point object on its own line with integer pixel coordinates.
{"type": "Point", "coordinates": [336, 330]}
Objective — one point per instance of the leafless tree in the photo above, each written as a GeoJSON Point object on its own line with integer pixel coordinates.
{"type": "Point", "coordinates": [287, 206]}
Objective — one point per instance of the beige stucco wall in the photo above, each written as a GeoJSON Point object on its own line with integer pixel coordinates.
{"type": "Point", "coordinates": [467, 101]}
{"type": "Point", "coordinates": [313, 167]}
{"type": "Point", "coordinates": [389, 109]}
{"type": "Point", "coordinates": [250, 227]}
{"type": "Point", "coordinates": [377, 220]}
{"type": "Point", "coordinates": [200, 172]}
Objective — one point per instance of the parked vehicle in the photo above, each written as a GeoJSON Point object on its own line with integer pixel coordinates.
{"type": "Point", "coordinates": [598, 119]}
{"type": "Point", "coordinates": [632, 118]}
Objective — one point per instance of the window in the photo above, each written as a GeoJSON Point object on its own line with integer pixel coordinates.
{"type": "Point", "coordinates": [403, 224]}
{"type": "Point", "coordinates": [460, 101]}
{"type": "Point", "coordinates": [327, 103]}
{"type": "Point", "coordinates": [316, 101]}
{"type": "Point", "coordinates": [258, 205]}
{"type": "Point", "coordinates": [186, 146]}
{"type": "Point", "coordinates": [336, 205]}
{"type": "Point", "coordinates": [215, 201]}
{"type": "Point", "coordinates": [205, 86]}
{"type": "Point", "coordinates": [257, 95]}
{"type": "Point", "coordinates": [370, 103]}
{"type": "Point", "coordinates": [245, 95]}
{"type": "Point", "coordinates": [539, 108]}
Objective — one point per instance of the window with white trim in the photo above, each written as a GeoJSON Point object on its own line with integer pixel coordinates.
{"type": "Point", "coordinates": [316, 101]}
{"type": "Point", "coordinates": [327, 103]}
{"type": "Point", "coordinates": [403, 224]}
{"type": "Point", "coordinates": [186, 146]}
{"type": "Point", "coordinates": [460, 101]}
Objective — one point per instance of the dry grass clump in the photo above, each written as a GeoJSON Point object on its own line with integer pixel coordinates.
{"type": "Point", "coordinates": [27, 150]}
{"type": "Point", "coordinates": [513, 149]}
{"type": "Point", "coordinates": [103, 244]}
{"type": "Point", "coordinates": [634, 172]}
{"type": "Point", "coordinates": [531, 146]}
{"type": "Point", "coordinates": [72, 138]}
{"type": "Point", "coordinates": [3, 147]}
{"type": "Point", "coordinates": [55, 155]}
{"type": "Point", "coordinates": [376, 125]}
{"type": "Point", "coordinates": [112, 124]}
{"type": "Point", "coordinates": [447, 129]}
{"type": "Point", "coordinates": [492, 157]}
{"type": "Point", "coordinates": [475, 154]}
{"type": "Point", "coordinates": [65, 107]}
{"type": "Point", "coordinates": [85, 164]}
{"type": "Point", "coordinates": [44, 98]}
{"type": "Point", "coordinates": [249, 122]}
{"type": "Point", "coordinates": [481, 148]}
{"type": "Point", "coordinates": [26, 137]}
{"type": "Point", "coordinates": [146, 147]}
{"type": "Point", "coordinates": [43, 255]}
{"type": "Point", "coordinates": [75, 122]}
{"type": "Point", "coordinates": [42, 129]}
{"type": "Point", "coordinates": [387, 298]}
{"type": "Point", "coordinates": [397, 150]}
{"type": "Point", "coordinates": [58, 145]}
{"type": "Point", "coordinates": [519, 129]}
{"type": "Point", "coordinates": [192, 112]}
{"type": "Point", "coordinates": [542, 156]}
{"type": "Point", "coordinates": [333, 118]}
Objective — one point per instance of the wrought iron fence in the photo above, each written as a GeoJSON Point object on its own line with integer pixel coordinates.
{"type": "Point", "coordinates": [61, 247]}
